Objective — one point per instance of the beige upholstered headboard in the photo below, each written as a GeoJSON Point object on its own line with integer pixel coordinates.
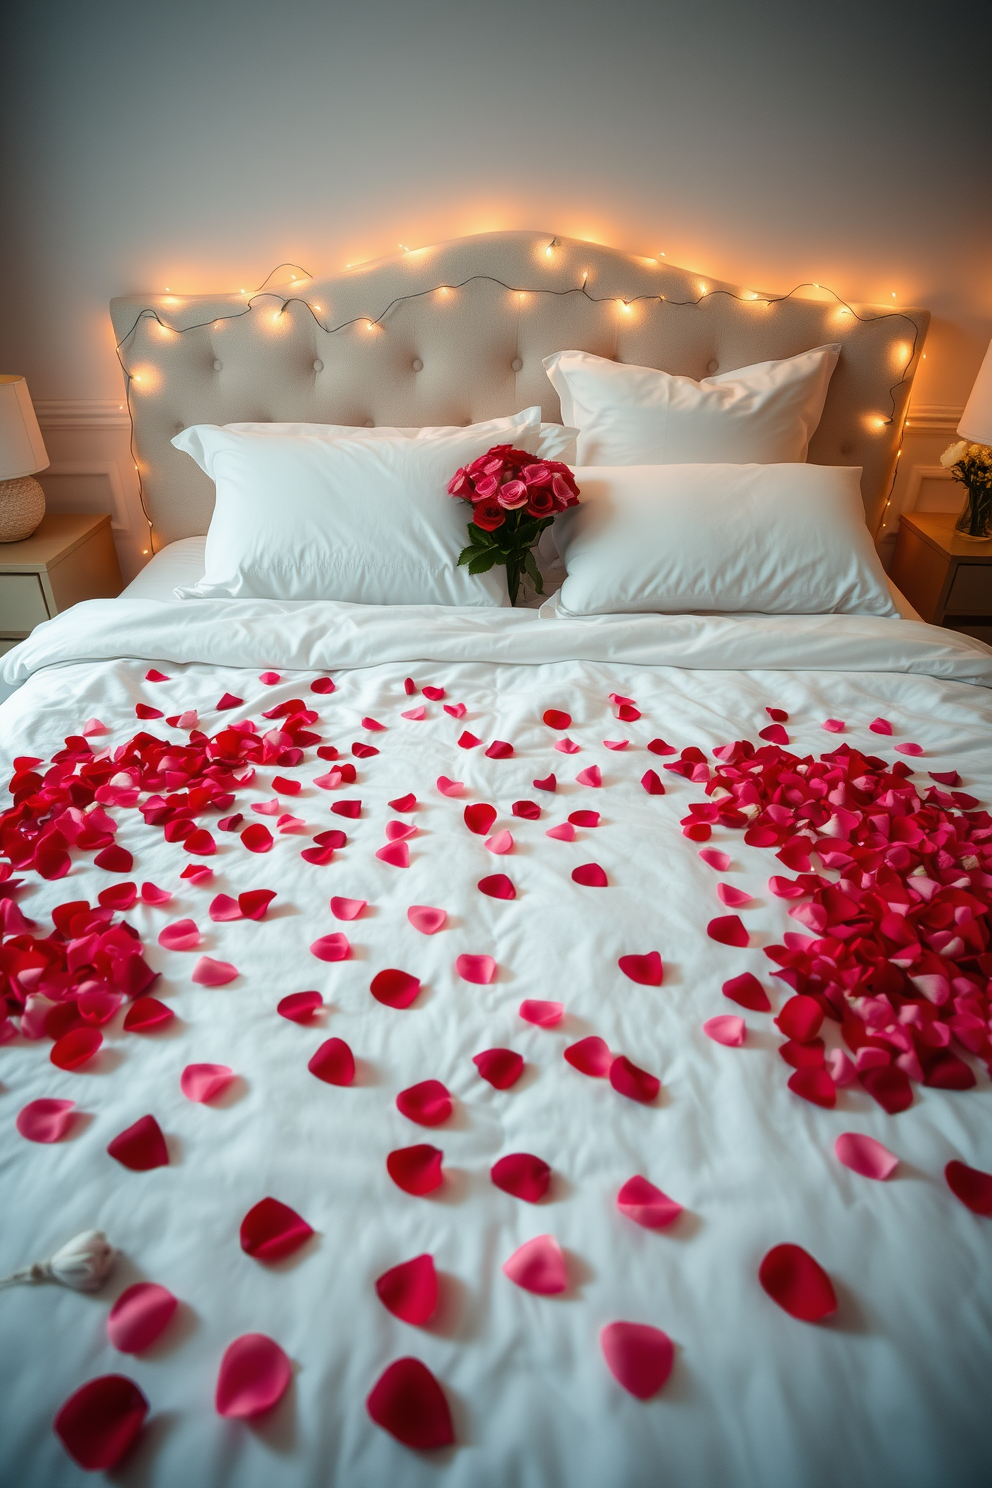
{"type": "Point", "coordinates": [456, 333]}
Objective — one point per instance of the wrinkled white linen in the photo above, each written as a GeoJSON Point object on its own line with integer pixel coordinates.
{"type": "Point", "coordinates": [894, 1391]}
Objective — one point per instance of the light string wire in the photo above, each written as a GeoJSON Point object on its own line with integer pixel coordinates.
{"type": "Point", "coordinates": [150, 313]}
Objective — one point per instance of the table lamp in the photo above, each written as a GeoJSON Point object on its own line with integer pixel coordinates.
{"type": "Point", "coordinates": [976, 421]}
{"type": "Point", "coordinates": [22, 452]}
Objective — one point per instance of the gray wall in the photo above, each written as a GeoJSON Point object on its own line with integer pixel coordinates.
{"type": "Point", "coordinates": [196, 144]}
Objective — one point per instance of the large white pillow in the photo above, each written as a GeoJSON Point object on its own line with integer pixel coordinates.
{"type": "Point", "coordinates": [776, 539]}
{"type": "Point", "coordinates": [365, 520]}
{"type": "Point", "coordinates": [765, 414]}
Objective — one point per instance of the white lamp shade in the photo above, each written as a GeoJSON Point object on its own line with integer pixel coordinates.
{"type": "Point", "coordinates": [976, 421]}
{"type": "Point", "coordinates": [22, 449]}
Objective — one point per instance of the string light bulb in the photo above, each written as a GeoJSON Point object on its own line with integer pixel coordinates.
{"type": "Point", "coordinates": [555, 243]}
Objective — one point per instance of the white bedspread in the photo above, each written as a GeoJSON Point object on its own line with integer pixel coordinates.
{"type": "Point", "coordinates": [892, 1391]}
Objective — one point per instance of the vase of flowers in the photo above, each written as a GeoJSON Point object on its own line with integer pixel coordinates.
{"type": "Point", "coordinates": [513, 497]}
{"type": "Point", "coordinates": [971, 464]}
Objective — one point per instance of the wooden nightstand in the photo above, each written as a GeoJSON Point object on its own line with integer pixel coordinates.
{"type": "Point", "coordinates": [949, 581]}
{"type": "Point", "coordinates": [70, 557]}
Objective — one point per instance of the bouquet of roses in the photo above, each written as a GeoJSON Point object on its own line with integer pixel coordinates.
{"type": "Point", "coordinates": [513, 498]}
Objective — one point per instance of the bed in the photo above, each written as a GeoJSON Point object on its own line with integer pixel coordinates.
{"type": "Point", "coordinates": [440, 924]}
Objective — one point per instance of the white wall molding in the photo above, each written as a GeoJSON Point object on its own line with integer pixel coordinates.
{"type": "Point", "coordinates": [111, 472]}
{"type": "Point", "coordinates": [933, 418]}
{"type": "Point", "coordinates": [82, 413]}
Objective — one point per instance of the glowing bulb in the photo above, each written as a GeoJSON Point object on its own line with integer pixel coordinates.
{"type": "Point", "coordinates": [624, 306]}
{"type": "Point", "coordinates": [585, 276]}
{"type": "Point", "coordinates": [893, 294]}
{"type": "Point", "coordinates": [662, 255]}
{"type": "Point", "coordinates": [369, 326]}
{"type": "Point", "coordinates": [317, 308]}
{"type": "Point", "coordinates": [403, 247]}
{"type": "Point", "coordinates": [703, 289]}
{"type": "Point", "coordinates": [242, 291]}
{"type": "Point", "coordinates": [168, 290]}
{"type": "Point", "coordinates": [547, 251]}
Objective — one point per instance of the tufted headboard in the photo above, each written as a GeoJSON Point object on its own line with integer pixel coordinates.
{"type": "Point", "coordinates": [456, 333]}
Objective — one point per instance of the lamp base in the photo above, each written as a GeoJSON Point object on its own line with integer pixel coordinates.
{"type": "Point", "coordinates": [22, 506]}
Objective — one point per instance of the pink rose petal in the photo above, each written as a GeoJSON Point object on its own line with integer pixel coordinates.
{"type": "Point", "coordinates": [908, 748]}
{"type": "Point", "coordinates": [415, 714]}
{"type": "Point", "coordinates": [479, 817]}
{"type": "Point", "coordinates": [478, 969]}
{"type": "Point", "coordinates": [408, 1402]}
{"type": "Point", "coordinates": [647, 1205]}
{"type": "Point", "coordinates": [93, 726]}
{"type": "Point", "coordinates": [564, 832]}
{"type": "Point", "coordinates": [271, 1230]}
{"type": "Point", "coordinates": [449, 787]}
{"type": "Point", "coordinates": [728, 930]}
{"type": "Point", "coordinates": [141, 1146]}
{"type": "Point", "coordinates": [549, 783]}
{"type": "Point", "coordinates": [591, 776]}
{"type": "Point", "coordinates": [397, 989]}
{"type": "Point", "coordinates": [865, 1156]}
{"type": "Point", "coordinates": [333, 1063]}
{"type": "Point", "coordinates": [254, 1375]}
{"type": "Point", "coordinates": [201, 1082]}
{"type": "Point", "coordinates": [715, 858]}
{"type": "Point", "coordinates": [651, 782]}
{"type": "Point", "coordinates": [271, 679]}
{"type": "Point", "coordinates": [538, 1266]}
{"type": "Point", "coordinates": [140, 1316]}
{"type": "Point", "coordinates": [590, 1056]}
{"type": "Point", "coordinates": [182, 935]}
{"type": "Point", "coordinates": [523, 1175]}
{"type": "Point", "coordinates": [500, 843]}
{"type": "Point", "coordinates": [210, 973]}
{"type": "Point", "coordinates": [726, 1029]}
{"type": "Point", "coordinates": [497, 886]}
{"type": "Point", "coordinates": [222, 909]}
{"type": "Point", "coordinates": [150, 894]}
{"type": "Point", "coordinates": [455, 710]}
{"type": "Point", "coordinates": [410, 1291]}
{"type": "Point", "coordinates": [335, 947]}
{"type": "Point", "coordinates": [433, 694]}
{"type": "Point", "coordinates": [397, 831]}
{"type": "Point", "coordinates": [880, 726]}
{"type": "Point", "coordinates": [567, 746]}
{"type": "Point", "coordinates": [416, 1170]}
{"type": "Point", "coordinates": [544, 1014]}
{"type": "Point", "coordinates": [300, 1007]}
{"type": "Point", "coordinates": [635, 1083]}
{"type": "Point", "coordinates": [146, 1013]}
{"type": "Point", "coordinates": [397, 854]}
{"type": "Point", "coordinates": [426, 919]}
{"type": "Point", "coordinates": [646, 970]}
{"type": "Point", "coordinates": [468, 740]}
{"type": "Point", "coordinates": [500, 1067]}
{"type": "Point", "coordinates": [99, 1423]}
{"type": "Point", "coordinates": [639, 1357]}
{"type": "Point", "coordinates": [591, 875]}
{"type": "Point", "coordinates": [347, 909]}
{"type": "Point", "coordinates": [429, 1103]}
{"type": "Point", "coordinates": [798, 1283]}
{"type": "Point", "coordinates": [46, 1120]}
{"type": "Point", "coordinates": [616, 744]}
{"type": "Point", "coordinates": [833, 725]}
{"type": "Point", "coordinates": [374, 725]}
{"type": "Point", "coordinates": [731, 896]}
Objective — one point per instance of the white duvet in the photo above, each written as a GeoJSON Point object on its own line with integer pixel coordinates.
{"type": "Point", "coordinates": [893, 1391]}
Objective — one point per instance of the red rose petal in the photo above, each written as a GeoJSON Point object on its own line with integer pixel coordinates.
{"type": "Point", "coordinates": [777, 715]}
{"type": "Point", "coordinates": [271, 1230]}
{"type": "Point", "coordinates": [140, 1316]}
{"type": "Point", "coordinates": [727, 1029]}
{"type": "Point", "coordinates": [416, 1170]}
{"type": "Point", "coordinates": [647, 970]}
{"type": "Point", "coordinates": [555, 719]}
{"type": "Point", "coordinates": [229, 701]}
{"type": "Point", "coordinates": [115, 859]}
{"type": "Point", "coordinates": [75, 1048]}
{"type": "Point", "coordinates": [501, 1067]}
{"type": "Point", "coordinates": [322, 686]}
{"type": "Point", "coordinates": [46, 1120]}
{"type": "Point", "coordinates": [98, 1424]}
{"type": "Point", "coordinates": [408, 1402]}
{"type": "Point", "coordinates": [334, 947]}
{"type": "Point", "coordinates": [333, 1063]}
{"type": "Point", "coordinates": [397, 831]}
{"type": "Point", "coordinates": [908, 748]}
{"type": "Point", "coordinates": [523, 1175]}
{"type": "Point", "coordinates": [748, 992]}
{"type": "Point", "coordinates": [300, 1007]}
{"type": "Point", "coordinates": [426, 919]}
{"type": "Point", "coordinates": [410, 1291]}
{"type": "Point", "coordinates": [142, 710]}
{"type": "Point", "coordinates": [456, 710]}
{"type": "Point", "coordinates": [833, 725]}
{"type": "Point", "coordinates": [334, 838]}
{"type": "Point", "coordinates": [404, 803]}
{"type": "Point", "coordinates": [429, 1103]}
{"type": "Point", "coordinates": [271, 679]}
{"type": "Point", "coordinates": [151, 894]}
{"type": "Point", "coordinates": [639, 1357]}
{"type": "Point", "coordinates": [433, 694]}
{"type": "Point", "coordinates": [254, 1375]}
{"type": "Point", "coordinates": [449, 787]}
{"type": "Point", "coordinates": [647, 1205]}
{"type": "Point", "coordinates": [479, 817]}
{"type": "Point", "coordinates": [590, 875]}
{"type": "Point", "coordinates": [715, 858]}
{"type": "Point", "coordinates": [318, 855]}
{"type": "Point", "coordinates": [497, 886]}
{"type": "Point", "coordinates": [549, 783]}
{"type": "Point", "coordinates": [591, 776]}
{"type": "Point", "coordinates": [971, 1185]}
{"type": "Point", "coordinates": [697, 831]}
{"type": "Point", "coordinates": [257, 838]}
{"type": "Point", "coordinates": [798, 1283]}
{"type": "Point", "coordinates": [200, 843]}
{"type": "Point", "coordinates": [201, 1082]}
{"type": "Point", "coordinates": [590, 1056]}
{"type": "Point", "coordinates": [499, 749]}
{"type": "Point", "coordinates": [351, 809]}
{"type": "Point", "coordinates": [182, 935]}
{"type": "Point", "coordinates": [651, 781]}
{"type": "Point", "coordinates": [468, 741]}
{"type": "Point", "coordinates": [814, 1084]}
{"type": "Point", "coordinates": [889, 1086]}
{"type": "Point", "coordinates": [154, 675]}
{"type": "Point", "coordinates": [800, 1019]}
{"type": "Point", "coordinates": [397, 854]}
{"type": "Point", "coordinates": [728, 930]}
{"type": "Point", "coordinates": [254, 903]}
{"type": "Point", "coordinates": [627, 1079]}
{"type": "Point", "coordinates": [587, 819]}
{"type": "Point", "coordinates": [880, 726]}
{"type": "Point", "coordinates": [869, 1158]}
{"type": "Point", "coordinates": [396, 989]}
{"type": "Point", "coordinates": [119, 896]}
{"type": "Point", "coordinates": [543, 1014]}
{"type": "Point", "coordinates": [538, 1266]}
{"type": "Point", "coordinates": [374, 725]}
{"type": "Point", "coordinates": [141, 1146]}
{"type": "Point", "coordinates": [774, 734]}
{"type": "Point", "coordinates": [210, 973]}
{"type": "Point", "coordinates": [731, 896]}
{"type": "Point", "coordinates": [478, 969]}
{"type": "Point", "coordinates": [146, 1013]}
{"type": "Point", "coordinates": [363, 751]}
{"type": "Point", "coordinates": [658, 746]}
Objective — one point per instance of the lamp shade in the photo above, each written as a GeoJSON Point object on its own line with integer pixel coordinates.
{"type": "Point", "coordinates": [22, 449]}
{"type": "Point", "coordinates": [976, 421]}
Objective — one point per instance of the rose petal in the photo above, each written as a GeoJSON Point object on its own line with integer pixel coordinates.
{"type": "Point", "coordinates": [426, 919]}
{"type": "Point", "coordinates": [499, 749]}
{"type": "Point", "coordinates": [210, 973]}
{"type": "Point", "coordinates": [971, 1185]}
{"type": "Point", "coordinates": [404, 803]}
{"type": "Point", "coordinates": [627, 1079]}
{"type": "Point", "coordinates": [478, 969]}
{"type": "Point", "coordinates": [908, 748]}
{"type": "Point", "coordinates": [726, 1029]}
{"type": "Point", "coordinates": [543, 1014]}
{"type": "Point", "coordinates": [146, 1013]}
{"type": "Point", "coordinates": [98, 1424]}
{"type": "Point", "coordinates": [538, 1266]}
{"type": "Point", "coordinates": [410, 1291]}
{"type": "Point", "coordinates": [647, 970]}
{"type": "Point", "coordinates": [433, 694]}
{"type": "Point", "coordinates": [497, 886]}
{"type": "Point", "coordinates": [658, 746]}
{"type": "Point", "coordinates": [46, 1120]}
{"type": "Point", "coordinates": [647, 1205]}
{"type": "Point", "coordinates": [748, 992]}
{"type": "Point", "coordinates": [865, 1156]}
{"type": "Point", "coordinates": [468, 741]}
{"type": "Point", "coordinates": [271, 679]}
{"type": "Point", "coordinates": [397, 989]}
{"type": "Point", "coordinates": [774, 734]}
{"type": "Point", "coordinates": [415, 714]}
{"type": "Point", "coordinates": [150, 894]}
{"type": "Point", "coordinates": [728, 930]}
{"type": "Point", "coordinates": [833, 725]}
{"type": "Point", "coordinates": [347, 909]}
{"type": "Point", "coordinates": [117, 859]}
{"type": "Point", "coordinates": [397, 854]}
{"type": "Point", "coordinates": [813, 1083]}
{"type": "Point", "coordinates": [416, 1170]}
{"type": "Point", "coordinates": [141, 1146]}
{"type": "Point", "coordinates": [591, 776]}
{"type": "Point", "coordinates": [479, 817]}
{"type": "Point", "coordinates": [880, 726]}
{"type": "Point", "coordinates": [407, 1401]}
{"type": "Point", "coordinates": [449, 787]}
{"type": "Point", "coordinates": [800, 1019]}
{"type": "Point", "coordinates": [300, 1007]}
{"type": "Point", "coordinates": [715, 858]}
{"type": "Point", "coordinates": [397, 831]}
{"type": "Point", "coordinates": [257, 838]}
{"type": "Point", "coordinates": [549, 783]}
{"type": "Point", "coordinates": [254, 1375]}
{"type": "Point", "coordinates": [201, 1082]}
{"type": "Point", "coordinates": [588, 819]}
{"type": "Point", "coordinates": [429, 1103]}
{"type": "Point", "coordinates": [567, 746]}
{"type": "Point", "coordinates": [590, 1056]}
{"type": "Point", "coordinates": [639, 1357]}
{"type": "Point", "coordinates": [143, 711]}
{"type": "Point", "coordinates": [731, 896]}
{"type": "Point", "coordinates": [500, 843]}
{"type": "Point", "coordinates": [363, 751]}
{"type": "Point", "coordinates": [229, 701]}
{"type": "Point", "coordinates": [154, 675]}
{"type": "Point", "coordinates": [523, 1175]}
{"type": "Point", "coordinates": [616, 743]}
{"type": "Point", "coordinates": [119, 896]}
{"type": "Point", "coordinates": [564, 832]}
{"type": "Point", "coordinates": [501, 1067]}
{"type": "Point", "coordinates": [651, 782]}
{"type": "Point", "coordinates": [318, 855]}
{"type": "Point", "coordinates": [591, 875]}
{"type": "Point", "coordinates": [322, 686]}
{"type": "Point", "coordinates": [75, 1048]}
{"type": "Point", "coordinates": [333, 1063]}
{"type": "Point", "coordinates": [555, 719]}
{"type": "Point", "coordinates": [182, 935]}
{"type": "Point", "coordinates": [271, 1230]}
{"type": "Point", "coordinates": [140, 1316]}
{"type": "Point", "coordinates": [374, 725]}
{"type": "Point", "coordinates": [334, 947]}
{"type": "Point", "coordinates": [350, 809]}
{"type": "Point", "coordinates": [456, 710]}
{"type": "Point", "coordinates": [93, 726]}
{"type": "Point", "coordinates": [798, 1283]}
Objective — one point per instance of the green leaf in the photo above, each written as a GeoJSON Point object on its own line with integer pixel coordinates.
{"type": "Point", "coordinates": [480, 538]}
{"type": "Point", "coordinates": [535, 573]}
{"type": "Point", "coordinates": [483, 563]}
{"type": "Point", "coordinates": [467, 554]}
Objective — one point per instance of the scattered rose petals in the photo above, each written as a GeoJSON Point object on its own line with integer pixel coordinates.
{"type": "Point", "coordinates": [971, 1185]}
{"type": "Point", "coordinates": [591, 875]}
{"type": "Point", "coordinates": [591, 776]}
{"type": "Point", "coordinates": [590, 1056]}
{"type": "Point", "coordinates": [798, 1283]}
{"type": "Point", "coordinates": [141, 1146]}
{"type": "Point", "coordinates": [563, 832]}
{"type": "Point", "coordinates": [322, 686]}
{"type": "Point", "coordinates": [75, 1048]}
{"type": "Point", "coordinates": [479, 817]}
{"type": "Point", "coordinates": [814, 1084]}
{"type": "Point", "coordinates": [46, 1120]}
{"type": "Point", "coordinates": [271, 1230]}
{"type": "Point", "coordinates": [549, 783]}
{"type": "Point", "coordinates": [397, 854]}
{"type": "Point", "coordinates": [416, 1170]}
{"type": "Point", "coordinates": [394, 988]}
{"type": "Point", "coordinates": [566, 746]}
{"type": "Point", "coordinates": [410, 1291]}
{"type": "Point", "coordinates": [726, 1029]}
{"type": "Point", "coordinates": [501, 1067]}
{"type": "Point", "coordinates": [201, 1082]}
{"type": "Point", "coordinates": [182, 935]}
{"type": "Point", "coordinates": [647, 1205]}
{"type": "Point", "coordinates": [833, 725]}
{"type": "Point", "coordinates": [800, 1019]}
{"type": "Point", "coordinates": [408, 1402]}
{"type": "Point", "coordinates": [627, 1079]}
{"type": "Point", "coordinates": [429, 1103]}
{"type": "Point", "coordinates": [254, 1375]}
{"type": "Point", "coordinates": [543, 1014]}
{"type": "Point", "coordinates": [449, 787]}
{"type": "Point", "coordinates": [865, 1156]}
{"type": "Point", "coordinates": [404, 803]}
{"type": "Point", "coordinates": [538, 1266]}
{"type": "Point", "coordinates": [347, 909]}
{"type": "Point", "coordinates": [646, 970]}
{"type": "Point", "coordinates": [651, 781]}
{"type": "Point", "coordinates": [731, 896]}
{"type": "Point", "coordinates": [151, 894]}
{"type": "Point", "coordinates": [468, 741]}
{"type": "Point", "coordinates": [523, 1175]}
{"type": "Point", "coordinates": [300, 1007]}
{"type": "Point", "coordinates": [140, 1316]}
{"type": "Point", "coordinates": [333, 1063]}
{"type": "Point", "coordinates": [908, 748]}
{"type": "Point", "coordinates": [478, 969]}
{"type": "Point", "coordinates": [728, 930]}
{"type": "Point", "coordinates": [639, 1357]}
{"type": "Point", "coordinates": [146, 1013]}
{"type": "Point", "coordinates": [334, 947]}
{"type": "Point", "coordinates": [748, 992]}
{"type": "Point", "coordinates": [210, 973]}
{"type": "Point", "coordinates": [98, 1424]}
{"type": "Point", "coordinates": [455, 710]}
{"type": "Point", "coordinates": [587, 819]}
{"type": "Point", "coordinates": [257, 838]}
{"type": "Point", "coordinates": [555, 719]}
{"type": "Point", "coordinates": [715, 858]}
{"type": "Point", "coordinates": [500, 843]}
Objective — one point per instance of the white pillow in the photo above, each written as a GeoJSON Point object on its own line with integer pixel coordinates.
{"type": "Point", "coordinates": [776, 539]}
{"type": "Point", "coordinates": [364, 520]}
{"type": "Point", "coordinates": [625, 415]}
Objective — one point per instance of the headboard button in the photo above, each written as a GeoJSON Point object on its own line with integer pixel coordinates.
{"type": "Point", "coordinates": [417, 365]}
{"type": "Point", "coordinates": [318, 365]}
{"type": "Point", "coordinates": [516, 365]}
{"type": "Point", "coordinates": [217, 365]}
{"type": "Point", "coordinates": [713, 366]}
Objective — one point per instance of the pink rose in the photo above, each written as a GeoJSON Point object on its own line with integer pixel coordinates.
{"type": "Point", "coordinates": [535, 475]}
{"type": "Point", "coordinates": [541, 503]}
{"type": "Point", "coordinates": [489, 515]}
{"type": "Point", "coordinates": [486, 487]}
{"type": "Point", "coordinates": [459, 484]}
{"type": "Point", "coordinates": [564, 491]}
{"type": "Point", "coordinates": [512, 495]}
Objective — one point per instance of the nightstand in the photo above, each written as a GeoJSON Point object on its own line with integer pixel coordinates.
{"type": "Point", "coordinates": [948, 580]}
{"type": "Point", "coordinates": [71, 556]}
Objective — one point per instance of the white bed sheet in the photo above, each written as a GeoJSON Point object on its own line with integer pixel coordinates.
{"type": "Point", "coordinates": [893, 1391]}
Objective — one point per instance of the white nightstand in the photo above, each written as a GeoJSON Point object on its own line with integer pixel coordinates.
{"type": "Point", "coordinates": [70, 557]}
